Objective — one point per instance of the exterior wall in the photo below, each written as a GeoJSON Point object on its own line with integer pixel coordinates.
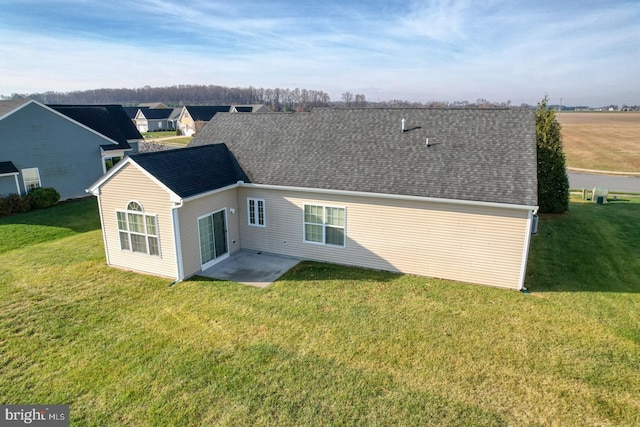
{"type": "Point", "coordinates": [188, 221]}
{"type": "Point", "coordinates": [68, 156]}
{"type": "Point", "coordinates": [186, 123]}
{"type": "Point", "coordinates": [130, 184]}
{"type": "Point", "coordinates": [8, 185]}
{"type": "Point", "coordinates": [465, 243]}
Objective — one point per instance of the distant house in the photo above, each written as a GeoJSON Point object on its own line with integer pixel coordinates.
{"type": "Point", "coordinates": [65, 147]}
{"type": "Point", "coordinates": [192, 118]}
{"type": "Point", "coordinates": [447, 193]}
{"type": "Point", "coordinates": [144, 105]}
{"type": "Point", "coordinates": [153, 119]}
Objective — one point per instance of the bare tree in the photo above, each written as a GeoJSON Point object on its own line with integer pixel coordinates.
{"type": "Point", "coordinates": [347, 98]}
{"type": "Point", "coordinates": [360, 100]}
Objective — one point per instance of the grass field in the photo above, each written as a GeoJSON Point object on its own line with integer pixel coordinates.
{"type": "Point", "coordinates": [325, 345]}
{"type": "Point", "coordinates": [602, 140]}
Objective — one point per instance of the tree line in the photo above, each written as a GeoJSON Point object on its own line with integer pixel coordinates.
{"type": "Point", "coordinates": [277, 99]}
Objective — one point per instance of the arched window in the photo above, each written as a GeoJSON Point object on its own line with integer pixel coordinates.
{"type": "Point", "coordinates": [138, 231]}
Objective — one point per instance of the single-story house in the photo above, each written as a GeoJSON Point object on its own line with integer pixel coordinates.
{"type": "Point", "coordinates": [192, 118]}
{"type": "Point", "coordinates": [66, 149]}
{"type": "Point", "coordinates": [154, 119]}
{"type": "Point", "coordinates": [448, 193]}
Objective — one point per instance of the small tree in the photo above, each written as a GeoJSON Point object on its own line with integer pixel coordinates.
{"type": "Point", "coordinates": [553, 183]}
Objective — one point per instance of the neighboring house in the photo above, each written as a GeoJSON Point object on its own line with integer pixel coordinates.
{"type": "Point", "coordinates": [132, 111]}
{"type": "Point", "coordinates": [252, 108]}
{"type": "Point", "coordinates": [43, 147]}
{"type": "Point", "coordinates": [152, 105]}
{"type": "Point", "coordinates": [447, 193]}
{"type": "Point", "coordinates": [111, 121]}
{"type": "Point", "coordinates": [192, 118]}
{"type": "Point", "coordinates": [153, 119]}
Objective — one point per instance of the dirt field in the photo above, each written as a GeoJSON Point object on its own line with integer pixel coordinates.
{"type": "Point", "coordinates": [602, 140]}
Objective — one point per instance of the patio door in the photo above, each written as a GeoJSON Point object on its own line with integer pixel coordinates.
{"type": "Point", "coordinates": [212, 230]}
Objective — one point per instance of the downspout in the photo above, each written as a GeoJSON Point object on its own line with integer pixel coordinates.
{"type": "Point", "coordinates": [525, 251]}
{"type": "Point", "coordinates": [177, 240]}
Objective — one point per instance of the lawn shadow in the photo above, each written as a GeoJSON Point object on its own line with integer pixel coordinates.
{"type": "Point", "coordinates": [79, 215]}
{"type": "Point", "coordinates": [42, 225]}
{"type": "Point", "coordinates": [592, 248]}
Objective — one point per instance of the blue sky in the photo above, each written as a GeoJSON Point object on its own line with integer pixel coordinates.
{"type": "Point", "coordinates": [586, 52]}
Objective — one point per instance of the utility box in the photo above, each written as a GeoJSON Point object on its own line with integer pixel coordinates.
{"type": "Point", "coordinates": [599, 195]}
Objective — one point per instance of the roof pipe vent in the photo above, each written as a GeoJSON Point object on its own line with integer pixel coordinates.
{"type": "Point", "coordinates": [404, 121]}
{"type": "Point", "coordinates": [427, 143]}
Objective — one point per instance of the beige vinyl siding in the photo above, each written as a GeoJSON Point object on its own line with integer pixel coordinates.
{"type": "Point", "coordinates": [188, 219]}
{"type": "Point", "coordinates": [127, 185]}
{"type": "Point", "coordinates": [460, 242]}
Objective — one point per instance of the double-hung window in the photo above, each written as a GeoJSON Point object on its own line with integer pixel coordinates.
{"type": "Point", "coordinates": [255, 211]}
{"type": "Point", "coordinates": [324, 225]}
{"type": "Point", "coordinates": [138, 231]}
{"type": "Point", "coordinates": [31, 178]}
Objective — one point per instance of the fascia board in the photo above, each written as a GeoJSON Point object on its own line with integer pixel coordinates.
{"type": "Point", "coordinates": [534, 209]}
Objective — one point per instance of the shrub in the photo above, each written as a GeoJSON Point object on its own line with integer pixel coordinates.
{"type": "Point", "coordinates": [14, 203]}
{"type": "Point", "coordinates": [5, 209]}
{"type": "Point", "coordinates": [44, 197]}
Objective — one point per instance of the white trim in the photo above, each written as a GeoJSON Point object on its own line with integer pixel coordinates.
{"type": "Point", "coordinates": [177, 241]}
{"type": "Point", "coordinates": [324, 225]}
{"type": "Point", "coordinates": [525, 251]}
{"type": "Point", "coordinates": [216, 260]}
{"type": "Point", "coordinates": [106, 138]}
{"type": "Point", "coordinates": [391, 196]}
{"type": "Point", "coordinates": [104, 230]}
{"type": "Point", "coordinates": [209, 193]}
{"type": "Point", "coordinates": [19, 107]}
{"type": "Point", "coordinates": [146, 233]}
{"type": "Point", "coordinates": [173, 197]}
{"type": "Point", "coordinates": [15, 176]}
{"type": "Point", "coordinates": [26, 190]}
{"type": "Point", "coordinates": [256, 212]}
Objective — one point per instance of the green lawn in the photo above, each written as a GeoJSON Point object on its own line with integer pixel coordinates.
{"type": "Point", "coordinates": [325, 345]}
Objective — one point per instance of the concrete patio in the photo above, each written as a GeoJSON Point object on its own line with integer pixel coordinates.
{"type": "Point", "coordinates": [251, 268]}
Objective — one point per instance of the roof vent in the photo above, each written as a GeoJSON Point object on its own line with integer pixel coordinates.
{"type": "Point", "coordinates": [404, 121]}
{"type": "Point", "coordinates": [427, 143]}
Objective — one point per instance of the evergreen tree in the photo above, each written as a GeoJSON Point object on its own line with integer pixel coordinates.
{"type": "Point", "coordinates": [553, 183]}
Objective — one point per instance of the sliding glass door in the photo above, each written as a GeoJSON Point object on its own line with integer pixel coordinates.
{"type": "Point", "coordinates": [212, 230]}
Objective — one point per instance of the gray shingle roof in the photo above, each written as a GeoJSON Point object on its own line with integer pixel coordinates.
{"type": "Point", "coordinates": [191, 171]}
{"type": "Point", "coordinates": [474, 154]}
{"type": "Point", "coordinates": [9, 105]}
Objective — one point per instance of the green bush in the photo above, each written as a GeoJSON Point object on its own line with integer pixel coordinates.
{"type": "Point", "coordinates": [553, 183]}
{"type": "Point", "coordinates": [44, 197]}
{"type": "Point", "coordinates": [14, 203]}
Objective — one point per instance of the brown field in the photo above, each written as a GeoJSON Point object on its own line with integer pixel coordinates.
{"type": "Point", "coordinates": [607, 141]}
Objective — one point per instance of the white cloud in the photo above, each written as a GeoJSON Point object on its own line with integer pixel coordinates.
{"type": "Point", "coordinates": [433, 50]}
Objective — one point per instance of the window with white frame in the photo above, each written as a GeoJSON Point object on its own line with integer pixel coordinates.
{"type": "Point", "coordinates": [324, 225]}
{"type": "Point", "coordinates": [110, 162]}
{"type": "Point", "coordinates": [138, 231]}
{"type": "Point", "coordinates": [31, 179]}
{"type": "Point", "coordinates": [255, 212]}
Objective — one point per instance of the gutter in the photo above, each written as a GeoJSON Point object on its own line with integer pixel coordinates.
{"type": "Point", "coordinates": [533, 209]}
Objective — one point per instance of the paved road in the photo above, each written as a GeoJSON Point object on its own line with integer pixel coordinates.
{"type": "Point", "coordinates": [612, 183]}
